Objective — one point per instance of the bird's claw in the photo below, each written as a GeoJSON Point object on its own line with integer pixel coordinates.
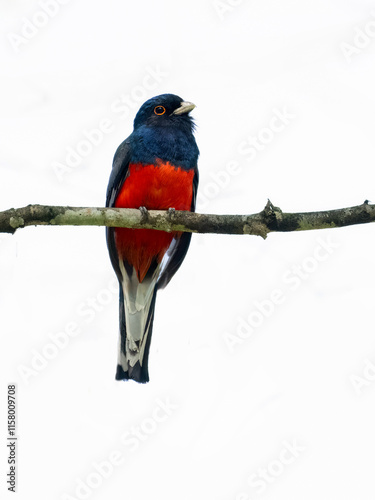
{"type": "Point", "coordinates": [144, 214]}
{"type": "Point", "coordinates": [171, 213]}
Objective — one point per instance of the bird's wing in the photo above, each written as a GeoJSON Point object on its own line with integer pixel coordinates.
{"type": "Point", "coordinates": [175, 254]}
{"type": "Point", "coordinates": [119, 172]}
{"type": "Point", "coordinates": [120, 169]}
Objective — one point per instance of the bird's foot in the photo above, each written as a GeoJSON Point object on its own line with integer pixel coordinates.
{"type": "Point", "coordinates": [171, 213]}
{"type": "Point", "coordinates": [144, 214]}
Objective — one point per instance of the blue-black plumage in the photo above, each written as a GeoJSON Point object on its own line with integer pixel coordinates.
{"type": "Point", "coordinates": [155, 168]}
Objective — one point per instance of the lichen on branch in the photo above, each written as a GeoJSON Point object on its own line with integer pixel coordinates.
{"type": "Point", "coordinates": [270, 219]}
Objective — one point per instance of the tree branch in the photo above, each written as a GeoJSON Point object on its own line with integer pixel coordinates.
{"type": "Point", "coordinates": [270, 219]}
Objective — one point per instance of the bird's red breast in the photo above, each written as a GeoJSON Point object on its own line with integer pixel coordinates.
{"type": "Point", "coordinates": [156, 187]}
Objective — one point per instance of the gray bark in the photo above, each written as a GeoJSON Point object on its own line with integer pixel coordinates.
{"type": "Point", "coordinates": [270, 219]}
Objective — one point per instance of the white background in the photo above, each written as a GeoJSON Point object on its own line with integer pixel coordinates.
{"type": "Point", "coordinates": [295, 381]}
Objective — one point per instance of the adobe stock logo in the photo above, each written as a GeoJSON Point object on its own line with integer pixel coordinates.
{"type": "Point", "coordinates": [254, 145]}
{"type": "Point", "coordinates": [41, 358]}
{"type": "Point", "coordinates": [365, 379]}
{"type": "Point", "coordinates": [100, 471]}
{"type": "Point", "coordinates": [136, 435]}
{"type": "Point", "coordinates": [268, 474]}
{"type": "Point", "coordinates": [292, 279]}
{"type": "Point", "coordinates": [31, 27]}
{"type": "Point", "coordinates": [224, 7]}
{"type": "Point", "coordinates": [248, 149]}
{"type": "Point", "coordinates": [361, 40]}
{"type": "Point", "coordinates": [120, 109]}
{"type": "Point", "coordinates": [131, 439]}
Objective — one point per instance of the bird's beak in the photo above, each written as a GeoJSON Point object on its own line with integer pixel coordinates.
{"type": "Point", "coordinates": [185, 107]}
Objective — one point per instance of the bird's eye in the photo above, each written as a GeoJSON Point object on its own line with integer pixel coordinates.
{"type": "Point", "coordinates": [159, 110]}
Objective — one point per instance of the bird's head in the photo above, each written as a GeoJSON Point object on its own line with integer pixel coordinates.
{"type": "Point", "coordinates": [165, 110]}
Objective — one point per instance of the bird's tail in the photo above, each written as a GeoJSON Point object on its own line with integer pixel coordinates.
{"type": "Point", "coordinates": [136, 320]}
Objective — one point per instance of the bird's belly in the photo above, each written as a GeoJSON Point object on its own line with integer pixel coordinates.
{"type": "Point", "coordinates": [156, 187]}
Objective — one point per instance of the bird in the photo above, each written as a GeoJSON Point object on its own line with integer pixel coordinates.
{"type": "Point", "coordinates": [155, 168]}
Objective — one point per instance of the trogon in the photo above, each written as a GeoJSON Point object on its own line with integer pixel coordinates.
{"type": "Point", "coordinates": [155, 168]}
